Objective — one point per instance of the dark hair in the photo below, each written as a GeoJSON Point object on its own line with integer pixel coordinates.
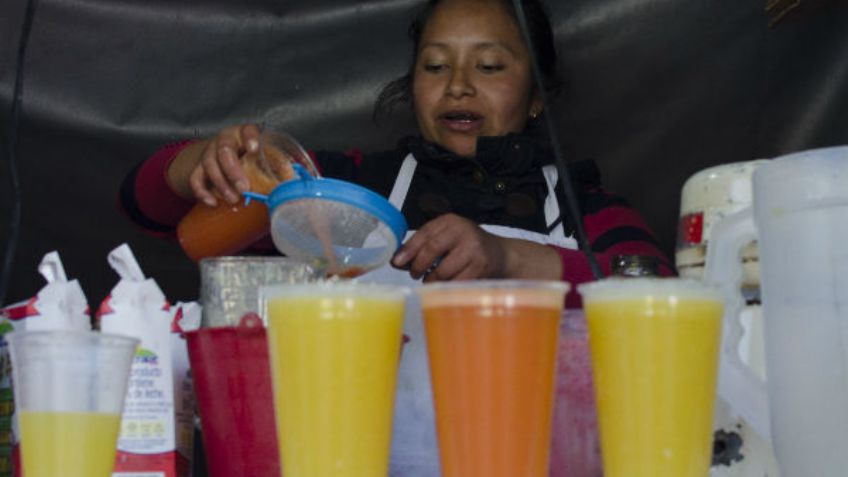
{"type": "Point", "coordinates": [541, 37]}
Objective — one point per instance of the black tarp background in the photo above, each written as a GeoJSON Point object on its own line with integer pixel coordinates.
{"type": "Point", "coordinates": [658, 90]}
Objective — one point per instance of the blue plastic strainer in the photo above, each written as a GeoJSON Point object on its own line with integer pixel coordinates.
{"type": "Point", "coordinates": [342, 227]}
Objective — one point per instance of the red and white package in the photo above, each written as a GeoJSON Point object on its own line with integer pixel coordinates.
{"type": "Point", "coordinates": [60, 305]}
{"type": "Point", "coordinates": [157, 421]}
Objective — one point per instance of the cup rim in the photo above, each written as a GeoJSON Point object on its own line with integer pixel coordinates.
{"type": "Point", "coordinates": [66, 336]}
{"type": "Point", "coordinates": [618, 288]}
{"type": "Point", "coordinates": [253, 259]}
{"type": "Point", "coordinates": [498, 284]}
{"type": "Point", "coordinates": [547, 294]}
{"type": "Point", "coordinates": [333, 288]}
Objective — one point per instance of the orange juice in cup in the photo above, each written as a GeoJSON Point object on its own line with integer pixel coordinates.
{"type": "Point", "coordinates": [654, 344]}
{"type": "Point", "coordinates": [492, 347]}
{"type": "Point", "coordinates": [334, 356]}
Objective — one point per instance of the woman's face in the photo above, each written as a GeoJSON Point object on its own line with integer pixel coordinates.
{"type": "Point", "coordinates": [473, 76]}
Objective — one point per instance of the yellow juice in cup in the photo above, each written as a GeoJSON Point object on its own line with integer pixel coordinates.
{"type": "Point", "coordinates": [334, 359]}
{"type": "Point", "coordinates": [654, 346]}
{"type": "Point", "coordinates": [69, 444]}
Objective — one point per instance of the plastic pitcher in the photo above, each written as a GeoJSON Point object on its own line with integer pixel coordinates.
{"type": "Point", "coordinates": [799, 215]}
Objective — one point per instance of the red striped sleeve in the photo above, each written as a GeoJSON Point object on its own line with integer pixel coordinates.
{"type": "Point", "coordinates": [356, 155]}
{"type": "Point", "coordinates": [612, 230]}
{"type": "Point", "coordinates": [156, 199]}
{"type": "Point", "coordinates": [614, 216]}
{"type": "Point", "coordinates": [147, 199]}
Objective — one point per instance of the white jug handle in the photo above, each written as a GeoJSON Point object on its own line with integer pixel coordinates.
{"type": "Point", "coordinates": [737, 383]}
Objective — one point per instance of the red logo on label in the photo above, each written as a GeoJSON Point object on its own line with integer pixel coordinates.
{"type": "Point", "coordinates": [20, 311]}
{"type": "Point", "coordinates": [691, 230]}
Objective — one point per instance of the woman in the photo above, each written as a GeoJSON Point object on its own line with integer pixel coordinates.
{"type": "Point", "coordinates": [477, 161]}
{"type": "Point", "coordinates": [478, 186]}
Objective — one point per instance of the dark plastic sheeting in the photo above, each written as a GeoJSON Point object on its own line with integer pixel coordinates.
{"type": "Point", "coordinates": [657, 91]}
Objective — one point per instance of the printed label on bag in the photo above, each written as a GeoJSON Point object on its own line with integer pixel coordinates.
{"type": "Point", "coordinates": [148, 420]}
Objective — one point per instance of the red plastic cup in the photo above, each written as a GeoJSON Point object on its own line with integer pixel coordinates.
{"type": "Point", "coordinates": [232, 382]}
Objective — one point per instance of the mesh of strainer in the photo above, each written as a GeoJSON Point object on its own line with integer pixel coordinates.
{"type": "Point", "coordinates": [340, 227]}
{"type": "Point", "coordinates": [344, 239]}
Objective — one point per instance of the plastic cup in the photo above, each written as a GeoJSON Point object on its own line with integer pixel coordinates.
{"type": "Point", "coordinates": [227, 228]}
{"type": "Point", "coordinates": [69, 392]}
{"type": "Point", "coordinates": [492, 347]}
{"type": "Point", "coordinates": [575, 446]}
{"type": "Point", "coordinates": [334, 357]}
{"type": "Point", "coordinates": [230, 228]}
{"type": "Point", "coordinates": [232, 384]}
{"type": "Point", "coordinates": [655, 345]}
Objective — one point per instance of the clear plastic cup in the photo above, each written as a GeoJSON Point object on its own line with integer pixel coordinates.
{"type": "Point", "coordinates": [575, 446]}
{"type": "Point", "coordinates": [492, 347]}
{"type": "Point", "coordinates": [69, 393]}
{"type": "Point", "coordinates": [655, 347]}
{"type": "Point", "coordinates": [230, 228]}
{"type": "Point", "coordinates": [334, 350]}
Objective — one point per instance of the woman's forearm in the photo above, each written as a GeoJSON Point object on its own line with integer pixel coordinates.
{"type": "Point", "coordinates": [530, 260]}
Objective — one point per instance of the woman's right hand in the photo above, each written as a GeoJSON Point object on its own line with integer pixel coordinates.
{"type": "Point", "coordinates": [211, 169]}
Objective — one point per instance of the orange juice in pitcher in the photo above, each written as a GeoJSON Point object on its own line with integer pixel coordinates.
{"type": "Point", "coordinates": [229, 228]}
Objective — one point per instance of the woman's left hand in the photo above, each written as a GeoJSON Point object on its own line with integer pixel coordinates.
{"type": "Point", "coordinates": [451, 247]}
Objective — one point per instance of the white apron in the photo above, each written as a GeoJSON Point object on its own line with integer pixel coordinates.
{"type": "Point", "coordinates": [414, 449]}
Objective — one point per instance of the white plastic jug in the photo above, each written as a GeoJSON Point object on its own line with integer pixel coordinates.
{"type": "Point", "coordinates": [799, 215]}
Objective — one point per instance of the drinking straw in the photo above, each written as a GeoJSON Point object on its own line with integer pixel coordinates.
{"type": "Point", "coordinates": [573, 209]}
